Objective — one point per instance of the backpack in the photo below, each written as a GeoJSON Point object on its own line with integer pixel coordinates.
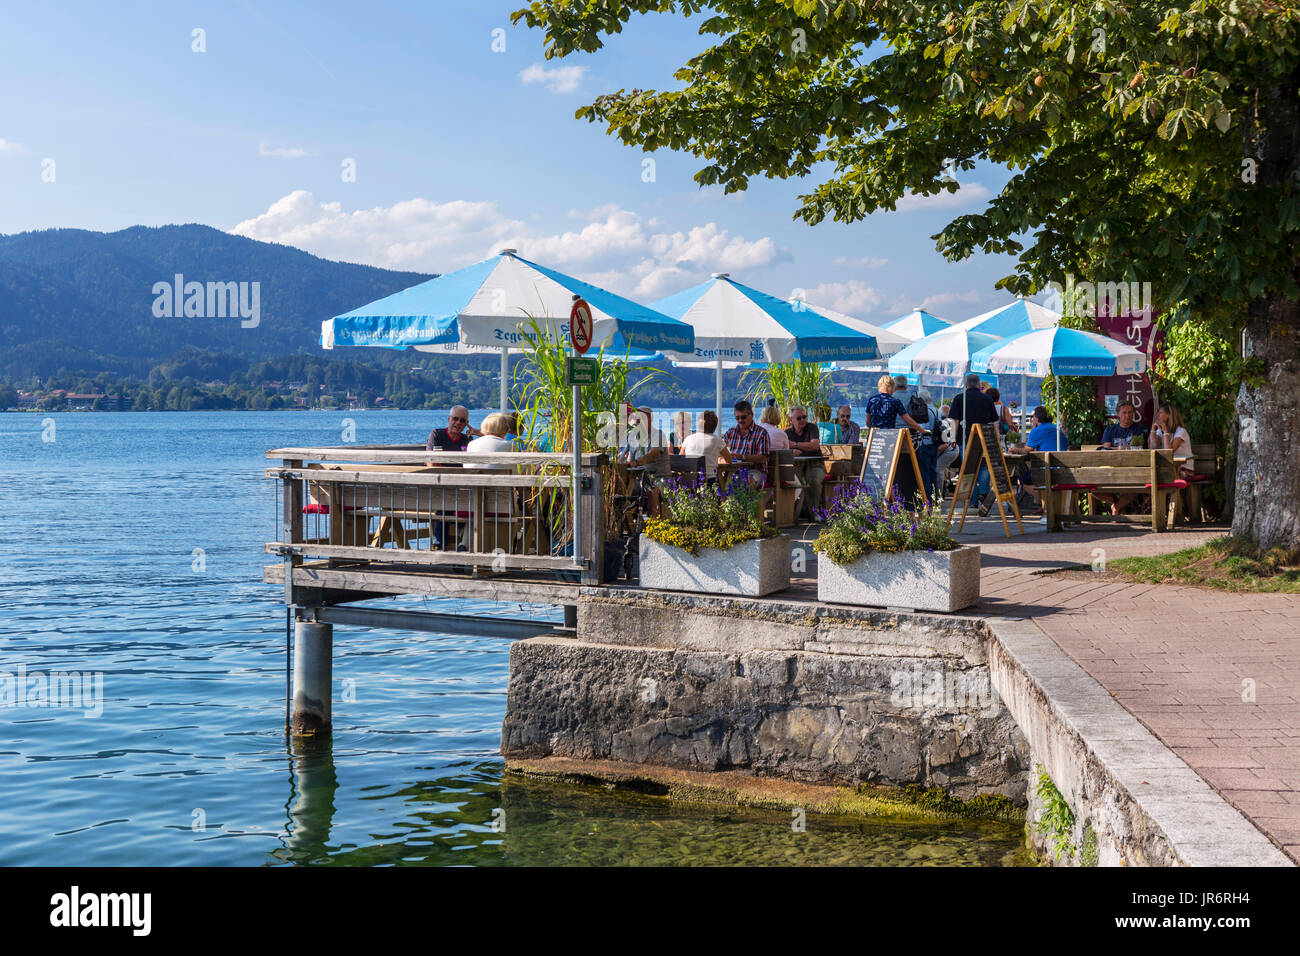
{"type": "Point", "coordinates": [919, 411]}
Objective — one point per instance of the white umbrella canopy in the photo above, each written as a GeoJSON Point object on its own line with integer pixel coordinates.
{"type": "Point", "coordinates": [484, 306]}
{"type": "Point", "coordinates": [1007, 320]}
{"type": "Point", "coordinates": [917, 324]}
{"type": "Point", "coordinates": [735, 325]}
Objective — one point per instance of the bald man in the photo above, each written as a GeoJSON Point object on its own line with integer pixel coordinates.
{"type": "Point", "coordinates": [457, 433]}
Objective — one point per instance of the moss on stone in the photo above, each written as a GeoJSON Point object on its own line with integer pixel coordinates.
{"type": "Point", "coordinates": [735, 789]}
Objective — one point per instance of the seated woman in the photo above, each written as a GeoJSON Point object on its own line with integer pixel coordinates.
{"type": "Point", "coordinates": [706, 443]}
{"type": "Point", "coordinates": [770, 422]}
{"type": "Point", "coordinates": [494, 430]}
{"type": "Point", "coordinates": [828, 432]}
{"type": "Point", "coordinates": [1168, 432]}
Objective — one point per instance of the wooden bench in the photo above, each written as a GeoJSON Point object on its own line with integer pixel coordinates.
{"type": "Point", "coordinates": [1206, 467]}
{"type": "Point", "coordinates": [483, 519]}
{"type": "Point", "coordinates": [1152, 472]}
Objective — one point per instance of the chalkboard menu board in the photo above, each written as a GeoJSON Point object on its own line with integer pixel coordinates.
{"type": "Point", "coordinates": [878, 462]}
{"type": "Point", "coordinates": [999, 479]}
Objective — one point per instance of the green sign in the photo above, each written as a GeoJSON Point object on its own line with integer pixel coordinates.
{"type": "Point", "coordinates": [582, 371]}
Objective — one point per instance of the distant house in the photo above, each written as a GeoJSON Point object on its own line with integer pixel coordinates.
{"type": "Point", "coordinates": [27, 399]}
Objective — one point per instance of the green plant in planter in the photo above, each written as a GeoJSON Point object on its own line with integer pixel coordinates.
{"type": "Point", "coordinates": [859, 521]}
{"type": "Point", "coordinates": [697, 514]}
{"type": "Point", "coordinates": [792, 384]}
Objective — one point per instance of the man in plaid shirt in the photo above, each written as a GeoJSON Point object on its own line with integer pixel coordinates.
{"type": "Point", "coordinates": [747, 441]}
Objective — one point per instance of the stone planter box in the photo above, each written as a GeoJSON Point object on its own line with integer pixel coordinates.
{"type": "Point", "coordinates": [920, 580]}
{"type": "Point", "coordinates": [750, 569]}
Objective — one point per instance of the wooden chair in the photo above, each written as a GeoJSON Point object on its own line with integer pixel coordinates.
{"type": "Point", "coordinates": [785, 487]}
{"type": "Point", "coordinates": [686, 464]}
{"type": "Point", "coordinates": [1205, 463]}
{"type": "Point", "coordinates": [843, 464]}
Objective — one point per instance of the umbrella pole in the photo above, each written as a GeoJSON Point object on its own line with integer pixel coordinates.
{"type": "Point", "coordinates": [717, 410]}
{"type": "Point", "coordinates": [1024, 399]}
{"type": "Point", "coordinates": [505, 377]}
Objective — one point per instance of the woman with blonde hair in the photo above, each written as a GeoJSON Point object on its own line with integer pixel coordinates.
{"type": "Point", "coordinates": [770, 422]}
{"type": "Point", "coordinates": [1167, 431]}
{"type": "Point", "coordinates": [495, 428]}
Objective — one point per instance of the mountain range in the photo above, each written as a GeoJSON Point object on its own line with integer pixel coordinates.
{"type": "Point", "coordinates": [76, 301]}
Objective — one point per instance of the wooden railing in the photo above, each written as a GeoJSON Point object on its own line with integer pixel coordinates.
{"type": "Point", "coordinates": [400, 504]}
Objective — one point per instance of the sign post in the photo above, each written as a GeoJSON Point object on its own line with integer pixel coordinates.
{"type": "Point", "coordinates": [580, 332]}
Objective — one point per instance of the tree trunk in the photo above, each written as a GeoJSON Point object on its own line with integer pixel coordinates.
{"type": "Point", "coordinates": [1267, 501]}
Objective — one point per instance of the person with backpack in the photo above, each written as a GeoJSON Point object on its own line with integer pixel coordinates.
{"type": "Point", "coordinates": [927, 442]}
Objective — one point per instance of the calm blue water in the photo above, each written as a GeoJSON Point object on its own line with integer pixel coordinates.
{"type": "Point", "coordinates": [132, 548]}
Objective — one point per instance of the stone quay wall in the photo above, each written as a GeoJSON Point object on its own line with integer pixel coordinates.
{"type": "Point", "coordinates": [780, 689]}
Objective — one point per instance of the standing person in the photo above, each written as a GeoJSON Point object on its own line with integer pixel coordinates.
{"type": "Point", "coordinates": [969, 408]}
{"type": "Point", "coordinates": [1005, 424]}
{"type": "Point", "coordinates": [1122, 433]}
{"type": "Point", "coordinates": [927, 448]}
{"type": "Point", "coordinates": [883, 409]}
{"type": "Point", "coordinates": [457, 434]}
{"type": "Point", "coordinates": [805, 440]}
{"type": "Point", "coordinates": [707, 444]}
{"type": "Point", "coordinates": [1168, 432]}
{"type": "Point", "coordinates": [902, 392]}
{"type": "Point", "coordinates": [771, 423]}
{"type": "Point", "coordinates": [850, 433]}
{"type": "Point", "coordinates": [746, 441]}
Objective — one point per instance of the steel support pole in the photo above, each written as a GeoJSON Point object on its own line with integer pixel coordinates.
{"type": "Point", "coordinates": [313, 677]}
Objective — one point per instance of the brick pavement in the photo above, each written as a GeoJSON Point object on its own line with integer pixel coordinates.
{"type": "Point", "coordinates": [1214, 675]}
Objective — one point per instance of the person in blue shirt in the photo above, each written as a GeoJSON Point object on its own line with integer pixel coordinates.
{"type": "Point", "coordinates": [1044, 436]}
{"type": "Point", "coordinates": [1126, 429]}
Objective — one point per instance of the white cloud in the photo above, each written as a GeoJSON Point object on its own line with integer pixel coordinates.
{"type": "Point", "coordinates": [935, 303]}
{"type": "Point", "coordinates": [281, 152]}
{"type": "Point", "coordinates": [863, 262]}
{"type": "Point", "coordinates": [850, 297]}
{"type": "Point", "coordinates": [616, 248]}
{"type": "Point", "coordinates": [967, 194]}
{"type": "Point", "coordinates": [8, 147]}
{"type": "Point", "coordinates": [558, 79]}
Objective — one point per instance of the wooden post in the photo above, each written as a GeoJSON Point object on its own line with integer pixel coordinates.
{"type": "Point", "coordinates": [313, 677]}
{"type": "Point", "coordinates": [593, 527]}
{"type": "Point", "coordinates": [291, 528]}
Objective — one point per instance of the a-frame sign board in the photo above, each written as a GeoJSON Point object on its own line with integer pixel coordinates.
{"type": "Point", "coordinates": [885, 448]}
{"type": "Point", "coordinates": [983, 447]}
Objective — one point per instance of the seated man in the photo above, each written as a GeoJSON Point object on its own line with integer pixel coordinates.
{"type": "Point", "coordinates": [1122, 433]}
{"type": "Point", "coordinates": [806, 441]}
{"type": "Point", "coordinates": [646, 445]}
{"type": "Point", "coordinates": [1044, 436]}
{"type": "Point", "coordinates": [457, 433]}
{"type": "Point", "coordinates": [746, 441]}
{"type": "Point", "coordinates": [1120, 436]}
{"type": "Point", "coordinates": [850, 432]}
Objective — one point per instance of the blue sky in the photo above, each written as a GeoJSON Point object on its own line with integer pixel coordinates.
{"type": "Point", "coordinates": [458, 150]}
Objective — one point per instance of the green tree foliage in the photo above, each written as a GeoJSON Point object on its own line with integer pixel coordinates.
{"type": "Point", "coordinates": [1148, 142]}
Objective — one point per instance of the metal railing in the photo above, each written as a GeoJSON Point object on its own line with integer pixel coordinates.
{"type": "Point", "coordinates": [400, 504]}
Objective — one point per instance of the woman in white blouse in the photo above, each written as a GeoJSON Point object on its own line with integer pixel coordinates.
{"type": "Point", "coordinates": [1168, 432]}
{"type": "Point", "coordinates": [770, 421]}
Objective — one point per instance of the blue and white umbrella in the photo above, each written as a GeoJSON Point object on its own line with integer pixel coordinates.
{"type": "Point", "coordinates": [1060, 351]}
{"type": "Point", "coordinates": [737, 325]}
{"type": "Point", "coordinates": [1018, 317]}
{"type": "Point", "coordinates": [486, 306]}
{"type": "Point", "coordinates": [917, 324]}
{"type": "Point", "coordinates": [941, 359]}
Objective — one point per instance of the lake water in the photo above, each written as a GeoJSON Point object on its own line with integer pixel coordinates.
{"type": "Point", "coordinates": [131, 554]}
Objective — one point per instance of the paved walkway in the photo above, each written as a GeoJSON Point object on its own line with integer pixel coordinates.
{"type": "Point", "coordinates": [1214, 675]}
